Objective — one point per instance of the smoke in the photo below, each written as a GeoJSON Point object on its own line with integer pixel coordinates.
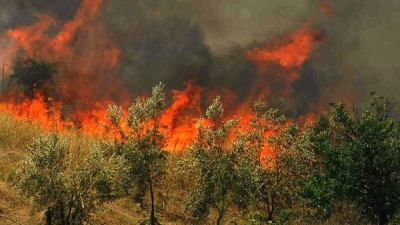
{"type": "Point", "coordinates": [15, 13]}
{"type": "Point", "coordinates": [362, 53]}
{"type": "Point", "coordinates": [207, 40]}
{"type": "Point", "coordinates": [173, 41]}
{"type": "Point", "coordinates": [240, 22]}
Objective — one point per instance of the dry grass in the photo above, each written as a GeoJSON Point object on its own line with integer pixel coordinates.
{"type": "Point", "coordinates": [170, 195]}
{"type": "Point", "coordinates": [15, 135]}
{"type": "Point", "coordinates": [14, 209]}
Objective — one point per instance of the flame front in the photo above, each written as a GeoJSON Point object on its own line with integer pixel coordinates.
{"type": "Point", "coordinates": [86, 80]}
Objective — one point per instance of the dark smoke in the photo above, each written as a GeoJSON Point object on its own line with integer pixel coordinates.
{"type": "Point", "coordinates": [158, 43]}
{"type": "Point", "coordinates": [176, 40]}
{"type": "Point", "coordinates": [173, 41]}
{"type": "Point", "coordinates": [15, 13]}
{"type": "Point", "coordinates": [363, 51]}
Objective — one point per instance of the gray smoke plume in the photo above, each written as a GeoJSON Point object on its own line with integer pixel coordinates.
{"type": "Point", "coordinates": [176, 40]}
{"type": "Point", "coordinates": [15, 13]}
{"type": "Point", "coordinates": [362, 53]}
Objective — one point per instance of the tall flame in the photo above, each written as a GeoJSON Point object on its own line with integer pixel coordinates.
{"type": "Point", "coordinates": [86, 81]}
{"type": "Point", "coordinates": [181, 117]}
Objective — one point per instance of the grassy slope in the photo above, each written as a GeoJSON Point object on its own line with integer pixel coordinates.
{"type": "Point", "coordinates": [14, 209]}
{"type": "Point", "coordinates": [15, 135]}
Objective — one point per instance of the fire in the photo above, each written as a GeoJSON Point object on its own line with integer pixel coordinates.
{"type": "Point", "coordinates": [87, 59]}
{"type": "Point", "coordinates": [290, 55]}
{"type": "Point", "coordinates": [87, 64]}
{"type": "Point", "coordinates": [181, 117]}
{"type": "Point", "coordinates": [45, 113]}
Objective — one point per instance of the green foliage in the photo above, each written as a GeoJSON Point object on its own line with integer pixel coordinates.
{"type": "Point", "coordinates": [288, 214]}
{"type": "Point", "coordinates": [279, 173]}
{"type": "Point", "coordinates": [325, 185]}
{"type": "Point", "coordinates": [214, 160]}
{"type": "Point", "coordinates": [33, 75]}
{"type": "Point", "coordinates": [359, 159]}
{"type": "Point", "coordinates": [67, 190]}
{"type": "Point", "coordinates": [233, 168]}
{"type": "Point", "coordinates": [140, 145]}
{"type": "Point", "coordinates": [253, 218]}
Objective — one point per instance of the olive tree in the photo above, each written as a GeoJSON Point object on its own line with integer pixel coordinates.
{"type": "Point", "coordinates": [140, 143]}
{"type": "Point", "coordinates": [282, 155]}
{"type": "Point", "coordinates": [67, 189]}
{"type": "Point", "coordinates": [214, 162]}
{"type": "Point", "coordinates": [359, 155]}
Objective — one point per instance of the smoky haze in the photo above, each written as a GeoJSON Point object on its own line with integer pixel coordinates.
{"type": "Point", "coordinates": [175, 40]}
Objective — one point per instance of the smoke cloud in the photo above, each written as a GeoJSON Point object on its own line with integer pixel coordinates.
{"type": "Point", "coordinates": [177, 40]}
{"type": "Point", "coordinates": [362, 53]}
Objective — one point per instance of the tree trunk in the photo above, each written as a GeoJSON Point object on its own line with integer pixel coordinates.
{"type": "Point", "coordinates": [48, 216]}
{"type": "Point", "coordinates": [270, 209]}
{"type": "Point", "coordinates": [62, 215]}
{"type": "Point", "coordinates": [152, 217]}
{"type": "Point", "coordinates": [220, 215]}
{"type": "Point", "coordinates": [221, 210]}
{"type": "Point", "coordinates": [383, 219]}
{"type": "Point", "coordinates": [269, 217]}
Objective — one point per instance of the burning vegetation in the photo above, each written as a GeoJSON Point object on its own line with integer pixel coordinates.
{"type": "Point", "coordinates": [69, 73]}
{"type": "Point", "coordinates": [140, 83]}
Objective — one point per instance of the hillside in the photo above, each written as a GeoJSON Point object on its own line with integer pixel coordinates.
{"type": "Point", "coordinates": [15, 135]}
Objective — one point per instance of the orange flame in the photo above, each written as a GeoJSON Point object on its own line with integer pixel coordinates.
{"type": "Point", "coordinates": [181, 117]}
{"type": "Point", "coordinates": [88, 61]}
{"type": "Point", "coordinates": [45, 113]}
{"type": "Point", "coordinates": [87, 58]}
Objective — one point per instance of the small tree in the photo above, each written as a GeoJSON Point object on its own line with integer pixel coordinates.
{"type": "Point", "coordinates": [360, 155]}
{"type": "Point", "coordinates": [214, 159]}
{"type": "Point", "coordinates": [285, 162]}
{"type": "Point", "coordinates": [68, 191]}
{"type": "Point", "coordinates": [140, 143]}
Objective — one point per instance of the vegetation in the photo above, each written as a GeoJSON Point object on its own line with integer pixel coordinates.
{"type": "Point", "coordinates": [282, 160]}
{"type": "Point", "coordinates": [215, 162]}
{"type": "Point", "coordinates": [359, 159]}
{"type": "Point", "coordinates": [141, 146]}
{"type": "Point", "coordinates": [343, 169]}
{"type": "Point", "coordinates": [67, 190]}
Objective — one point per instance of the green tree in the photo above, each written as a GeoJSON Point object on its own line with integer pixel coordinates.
{"type": "Point", "coordinates": [325, 185]}
{"type": "Point", "coordinates": [286, 162]}
{"type": "Point", "coordinates": [214, 161]}
{"type": "Point", "coordinates": [68, 190]}
{"type": "Point", "coordinates": [140, 143]}
{"type": "Point", "coordinates": [360, 157]}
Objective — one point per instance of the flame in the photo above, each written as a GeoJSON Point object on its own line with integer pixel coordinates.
{"type": "Point", "coordinates": [182, 116]}
{"type": "Point", "coordinates": [45, 112]}
{"type": "Point", "coordinates": [290, 55]}
{"type": "Point", "coordinates": [88, 60]}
